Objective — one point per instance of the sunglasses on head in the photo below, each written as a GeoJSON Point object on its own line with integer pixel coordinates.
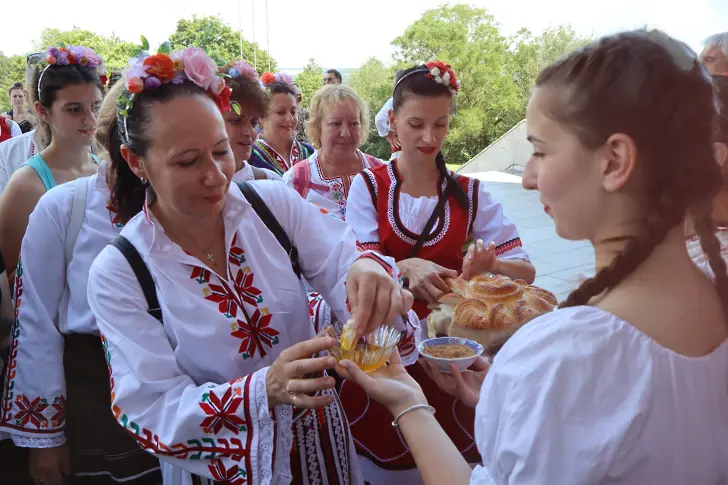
{"type": "Point", "coordinates": [35, 57]}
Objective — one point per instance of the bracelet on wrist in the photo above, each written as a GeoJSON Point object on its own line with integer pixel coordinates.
{"type": "Point", "coordinates": [395, 422]}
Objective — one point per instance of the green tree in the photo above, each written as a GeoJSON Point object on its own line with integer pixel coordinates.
{"type": "Point", "coordinates": [115, 52]}
{"type": "Point", "coordinates": [496, 72]}
{"type": "Point", "coordinates": [12, 70]}
{"type": "Point", "coordinates": [533, 53]}
{"type": "Point", "coordinates": [219, 40]}
{"type": "Point", "coordinates": [374, 81]}
{"type": "Point", "coordinates": [469, 39]}
{"type": "Point", "coordinates": [309, 81]}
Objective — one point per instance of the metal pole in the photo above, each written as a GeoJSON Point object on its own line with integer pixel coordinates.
{"type": "Point", "coordinates": [255, 44]}
{"type": "Point", "coordinates": [240, 25]}
{"type": "Point", "coordinates": [267, 34]}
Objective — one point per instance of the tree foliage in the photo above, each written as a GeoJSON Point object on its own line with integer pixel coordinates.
{"type": "Point", "coordinates": [219, 40]}
{"type": "Point", "coordinates": [496, 71]}
{"type": "Point", "coordinates": [309, 81]}
{"type": "Point", "coordinates": [12, 70]}
{"type": "Point", "coordinates": [374, 81]}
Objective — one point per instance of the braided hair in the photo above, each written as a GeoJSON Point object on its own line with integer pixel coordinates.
{"type": "Point", "coordinates": [414, 82]}
{"type": "Point", "coordinates": [651, 88]}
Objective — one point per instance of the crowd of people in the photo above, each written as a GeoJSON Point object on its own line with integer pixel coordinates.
{"type": "Point", "coordinates": [176, 240]}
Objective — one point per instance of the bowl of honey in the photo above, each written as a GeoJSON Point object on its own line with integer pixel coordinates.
{"type": "Point", "coordinates": [369, 352]}
{"type": "Point", "coordinates": [445, 350]}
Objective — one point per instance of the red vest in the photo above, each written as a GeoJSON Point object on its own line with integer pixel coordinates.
{"type": "Point", "coordinates": [371, 427]}
{"type": "Point", "coordinates": [445, 243]}
{"type": "Point", "coordinates": [4, 129]}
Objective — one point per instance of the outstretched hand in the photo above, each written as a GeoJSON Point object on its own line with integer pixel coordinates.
{"type": "Point", "coordinates": [390, 385]}
{"type": "Point", "coordinates": [463, 385]}
{"type": "Point", "coordinates": [479, 259]}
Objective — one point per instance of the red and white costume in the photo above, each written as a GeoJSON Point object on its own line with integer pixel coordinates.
{"type": "Point", "coordinates": [330, 193]}
{"type": "Point", "coordinates": [390, 221]}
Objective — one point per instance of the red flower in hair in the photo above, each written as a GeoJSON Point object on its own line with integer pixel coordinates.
{"type": "Point", "coordinates": [443, 74]}
{"type": "Point", "coordinates": [268, 78]}
{"type": "Point", "coordinates": [103, 79]}
{"type": "Point", "coordinates": [223, 99]}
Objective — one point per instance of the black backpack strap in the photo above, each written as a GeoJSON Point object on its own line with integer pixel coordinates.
{"type": "Point", "coordinates": [142, 274]}
{"type": "Point", "coordinates": [271, 223]}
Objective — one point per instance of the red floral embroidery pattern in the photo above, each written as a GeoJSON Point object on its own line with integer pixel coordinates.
{"type": "Point", "coordinates": [233, 476]}
{"type": "Point", "coordinates": [227, 304]}
{"type": "Point", "coordinates": [194, 449]}
{"type": "Point", "coordinates": [31, 412]}
{"type": "Point", "coordinates": [114, 213]}
{"type": "Point", "coordinates": [255, 334]}
{"type": "Point", "coordinates": [202, 275]}
{"type": "Point", "coordinates": [244, 286]}
{"type": "Point", "coordinates": [254, 330]}
{"type": "Point", "coordinates": [59, 404]}
{"type": "Point", "coordinates": [237, 255]}
{"type": "Point", "coordinates": [221, 412]}
{"type": "Point", "coordinates": [10, 370]}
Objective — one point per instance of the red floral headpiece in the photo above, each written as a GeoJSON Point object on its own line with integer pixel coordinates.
{"type": "Point", "coordinates": [439, 72]}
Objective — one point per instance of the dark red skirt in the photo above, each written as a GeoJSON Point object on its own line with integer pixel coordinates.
{"type": "Point", "coordinates": [378, 441]}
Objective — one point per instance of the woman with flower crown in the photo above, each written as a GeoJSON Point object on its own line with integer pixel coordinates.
{"type": "Point", "coordinates": [66, 92]}
{"type": "Point", "coordinates": [57, 381]}
{"type": "Point", "coordinates": [201, 310]}
{"type": "Point", "coordinates": [416, 211]}
{"type": "Point", "coordinates": [248, 105]}
{"type": "Point", "coordinates": [277, 148]}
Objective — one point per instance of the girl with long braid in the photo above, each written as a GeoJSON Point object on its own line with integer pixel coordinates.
{"type": "Point", "coordinates": [625, 382]}
{"type": "Point", "coordinates": [421, 214]}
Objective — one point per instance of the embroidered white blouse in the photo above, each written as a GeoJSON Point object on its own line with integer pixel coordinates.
{"type": "Point", "coordinates": [327, 193]}
{"type": "Point", "coordinates": [491, 224]}
{"type": "Point", "coordinates": [700, 258]}
{"type": "Point", "coordinates": [193, 390]}
{"type": "Point", "coordinates": [51, 301]}
{"type": "Point", "coordinates": [579, 397]}
{"type": "Point", "coordinates": [246, 173]}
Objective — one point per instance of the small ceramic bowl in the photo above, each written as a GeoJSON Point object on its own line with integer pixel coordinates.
{"type": "Point", "coordinates": [444, 364]}
{"type": "Point", "coordinates": [371, 352]}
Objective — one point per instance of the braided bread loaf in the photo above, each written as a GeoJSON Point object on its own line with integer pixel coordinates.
{"type": "Point", "coordinates": [487, 306]}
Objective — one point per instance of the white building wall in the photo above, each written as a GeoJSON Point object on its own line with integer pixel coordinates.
{"type": "Point", "coordinates": [510, 149]}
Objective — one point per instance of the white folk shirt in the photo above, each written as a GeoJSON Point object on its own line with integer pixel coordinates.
{"type": "Point", "coordinates": [491, 224]}
{"type": "Point", "coordinates": [193, 390]}
{"type": "Point", "coordinates": [246, 174]}
{"type": "Point", "coordinates": [14, 153]}
{"type": "Point", "coordinates": [580, 397]}
{"type": "Point", "coordinates": [329, 193]}
{"type": "Point", "coordinates": [51, 300]}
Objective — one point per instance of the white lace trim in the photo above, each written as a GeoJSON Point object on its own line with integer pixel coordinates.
{"type": "Point", "coordinates": [266, 434]}
{"type": "Point", "coordinates": [27, 442]}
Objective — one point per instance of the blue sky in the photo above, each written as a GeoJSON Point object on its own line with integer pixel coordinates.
{"type": "Point", "coordinates": [345, 33]}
